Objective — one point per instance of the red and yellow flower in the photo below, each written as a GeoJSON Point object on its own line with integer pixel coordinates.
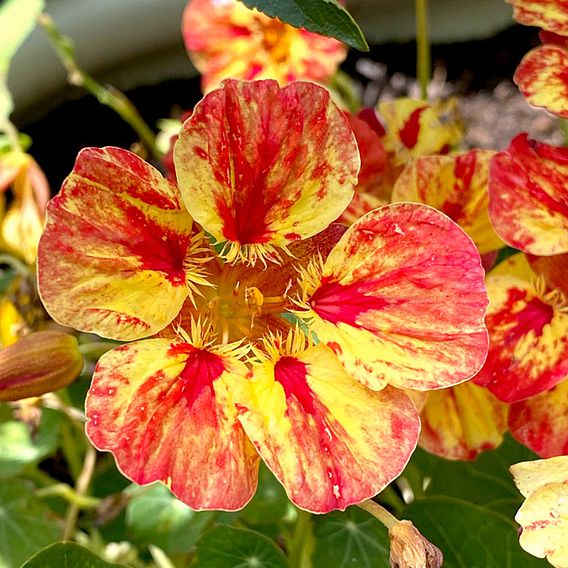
{"type": "Point", "coordinates": [225, 39]}
{"type": "Point", "coordinates": [396, 301]}
{"type": "Point", "coordinates": [22, 224]}
{"type": "Point", "coordinates": [541, 75]}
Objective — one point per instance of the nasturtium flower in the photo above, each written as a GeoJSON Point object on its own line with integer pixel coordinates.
{"type": "Point", "coordinates": [528, 329]}
{"type": "Point", "coordinates": [528, 196]}
{"type": "Point", "coordinates": [22, 224]}
{"type": "Point", "coordinates": [541, 75]}
{"type": "Point", "coordinates": [544, 515]}
{"type": "Point", "coordinates": [462, 421]}
{"type": "Point", "coordinates": [226, 39]}
{"type": "Point", "coordinates": [550, 15]}
{"type": "Point", "coordinates": [541, 422]}
{"type": "Point", "coordinates": [276, 336]}
{"type": "Point", "coordinates": [457, 186]}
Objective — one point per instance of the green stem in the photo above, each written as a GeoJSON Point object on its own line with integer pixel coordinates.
{"type": "Point", "coordinates": [69, 449]}
{"type": "Point", "coordinates": [40, 476]}
{"type": "Point", "coordinates": [105, 94]}
{"type": "Point", "coordinates": [81, 489]}
{"type": "Point", "coordinates": [66, 492]}
{"type": "Point", "coordinates": [12, 133]}
{"type": "Point", "coordinates": [15, 263]}
{"type": "Point", "coordinates": [95, 349]}
{"type": "Point", "coordinates": [380, 513]}
{"type": "Point", "coordinates": [302, 543]}
{"type": "Point", "coordinates": [423, 65]}
{"type": "Point", "coordinates": [342, 84]}
{"type": "Point", "coordinates": [563, 124]}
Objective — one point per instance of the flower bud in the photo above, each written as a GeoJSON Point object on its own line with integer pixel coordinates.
{"type": "Point", "coordinates": [409, 549]}
{"type": "Point", "coordinates": [38, 363]}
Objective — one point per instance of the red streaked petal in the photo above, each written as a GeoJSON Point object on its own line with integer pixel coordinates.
{"type": "Point", "coordinates": [113, 257]}
{"type": "Point", "coordinates": [401, 300]}
{"type": "Point", "coordinates": [460, 422]}
{"type": "Point", "coordinates": [528, 350]}
{"type": "Point", "coordinates": [457, 186]}
{"type": "Point", "coordinates": [541, 422]}
{"type": "Point", "coordinates": [528, 196]}
{"type": "Point", "coordinates": [328, 439]}
{"type": "Point", "coordinates": [259, 166]}
{"type": "Point", "coordinates": [551, 15]}
{"type": "Point", "coordinates": [166, 411]}
{"type": "Point", "coordinates": [541, 77]}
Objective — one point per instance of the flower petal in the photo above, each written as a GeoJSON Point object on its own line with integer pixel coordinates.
{"type": "Point", "coordinates": [528, 196]}
{"type": "Point", "coordinates": [531, 475]}
{"type": "Point", "coordinates": [528, 350]}
{"type": "Point", "coordinates": [114, 255]}
{"type": "Point", "coordinates": [462, 421]}
{"type": "Point", "coordinates": [541, 77]}
{"type": "Point", "coordinates": [401, 300]}
{"type": "Point", "coordinates": [457, 186]}
{"type": "Point", "coordinates": [544, 518]}
{"type": "Point", "coordinates": [328, 439]}
{"type": "Point", "coordinates": [259, 166]}
{"type": "Point", "coordinates": [226, 39]}
{"type": "Point", "coordinates": [166, 411]}
{"type": "Point", "coordinates": [541, 422]}
{"type": "Point", "coordinates": [413, 129]}
{"type": "Point", "coordinates": [551, 15]}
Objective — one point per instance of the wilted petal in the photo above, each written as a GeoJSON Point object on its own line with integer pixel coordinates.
{"type": "Point", "coordinates": [544, 514]}
{"type": "Point", "coordinates": [461, 421]}
{"type": "Point", "coordinates": [116, 255]}
{"type": "Point", "coordinates": [541, 422]}
{"type": "Point", "coordinates": [541, 77]}
{"type": "Point", "coordinates": [528, 350]}
{"type": "Point", "coordinates": [551, 15]}
{"type": "Point", "coordinates": [166, 411]}
{"type": "Point", "coordinates": [401, 300]}
{"type": "Point", "coordinates": [457, 186]}
{"type": "Point", "coordinates": [261, 167]}
{"type": "Point", "coordinates": [225, 39]}
{"type": "Point", "coordinates": [328, 439]}
{"type": "Point", "coordinates": [528, 196]}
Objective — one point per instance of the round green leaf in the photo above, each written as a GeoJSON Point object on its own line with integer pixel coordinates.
{"type": "Point", "coordinates": [67, 554]}
{"type": "Point", "coordinates": [350, 539]}
{"type": "Point", "coordinates": [470, 536]}
{"type": "Point", "coordinates": [155, 516]}
{"type": "Point", "coordinates": [25, 523]}
{"type": "Point", "coordinates": [269, 504]}
{"type": "Point", "coordinates": [19, 449]}
{"type": "Point", "coordinates": [227, 547]}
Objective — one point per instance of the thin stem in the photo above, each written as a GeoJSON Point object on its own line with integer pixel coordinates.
{"type": "Point", "coordinates": [66, 492]}
{"type": "Point", "coordinates": [302, 543]}
{"type": "Point", "coordinates": [68, 447]}
{"type": "Point", "coordinates": [51, 400]}
{"type": "Point", "coordinates": [343, 85]}
{"type": "Point", "coordinates": [15, 263]}
{"type": "Point", "coordinates": [105, 94]}
{"type": "Point", "coordinates": [95, 349]}
{"type": "Point", "coordinates": [81, 488]}
{"type": "Point", "coordinates": [160, 557]}
{"type": "Point", "coordinates": [12, 133]}
{"type": "Point", "coordinates": [380, 513]}
{"type": "Point", "coordinates": [423, 65]}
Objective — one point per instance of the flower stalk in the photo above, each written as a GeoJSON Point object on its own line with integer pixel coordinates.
{"type": "Point", "coordinates": [106, 94]}
{"type": "Point", "coordinates": [423, 63]}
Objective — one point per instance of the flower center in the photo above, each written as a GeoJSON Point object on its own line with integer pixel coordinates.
{"type": "Point", "coordinates": [276, 40]}
{"type": "Point", "coordinates": [238, 310]}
